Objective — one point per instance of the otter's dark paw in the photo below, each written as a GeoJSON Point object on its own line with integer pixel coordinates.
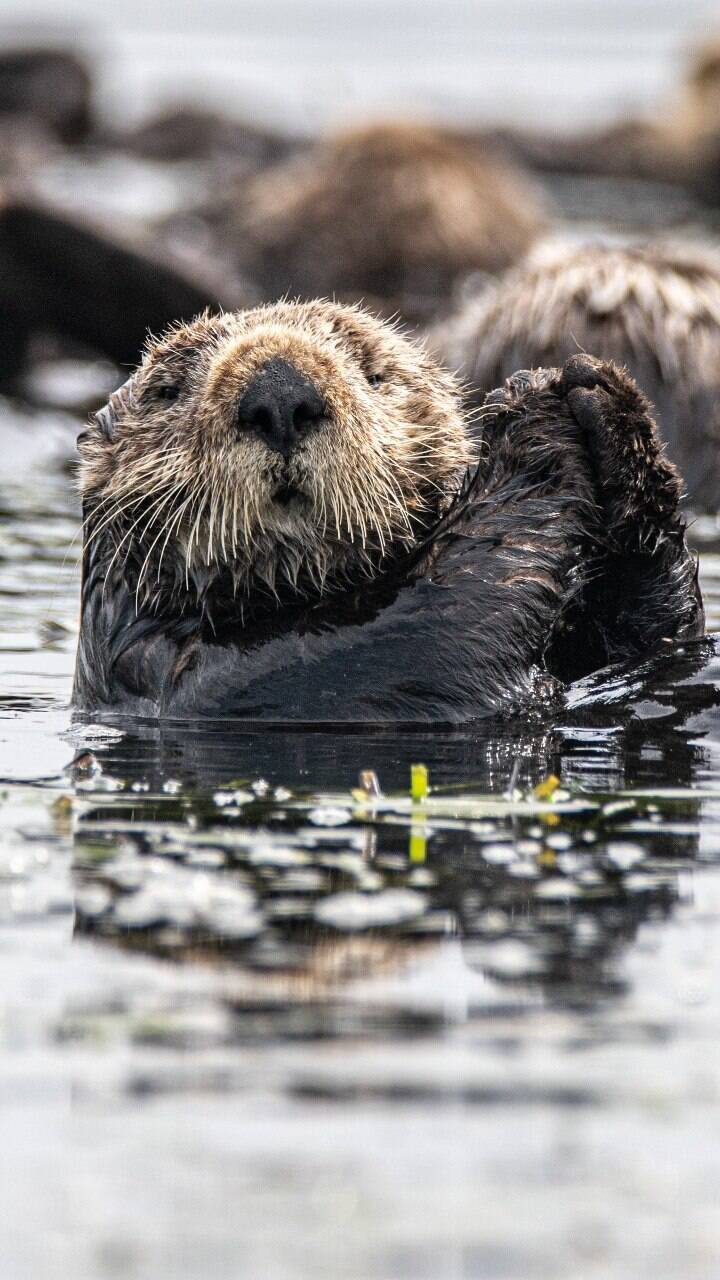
{"type": "Point", "coordinates": [637, 486]}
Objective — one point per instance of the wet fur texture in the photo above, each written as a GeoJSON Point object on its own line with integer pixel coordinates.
{"type": "Point", "coordinates": [201, 512]}
{"type": "Point", "coordinates": [655, 310]}
{"type": "Point", "coordinates": [556, 549]}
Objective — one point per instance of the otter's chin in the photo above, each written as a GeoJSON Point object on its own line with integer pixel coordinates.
{"type": "Point", "coordinates": [289, 497]}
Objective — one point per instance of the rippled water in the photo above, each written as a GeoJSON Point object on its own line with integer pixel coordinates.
{"type": "Point", "coordinates": [257, 1022]}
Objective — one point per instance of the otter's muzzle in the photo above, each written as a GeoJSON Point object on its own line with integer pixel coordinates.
{"type": "Point", "coordinates": [280, 405]}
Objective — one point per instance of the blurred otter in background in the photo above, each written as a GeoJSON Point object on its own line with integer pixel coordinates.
{"type": "Point", "coordinates": [655, 310]}
{"type": "Point", "coordinates": [391, 214]}
{"type": "Point", "coordinates": [70, 283]}
{"type": "Point", "coordinates": [693, 127]}
{"type": "Point", "coordinates": [679, 144]}
{"type": "Point", "coordinates": [396, 215]}
{"type": "Point", "coordinates": [49, 88]}
{"type": "Point", "coordinates": [193, 133]}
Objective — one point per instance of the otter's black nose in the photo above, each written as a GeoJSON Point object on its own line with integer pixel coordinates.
{"type": "Point", "coordinates": [281, 405]}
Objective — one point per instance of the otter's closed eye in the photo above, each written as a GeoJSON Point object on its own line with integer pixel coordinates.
{"type": "Point", "coordinates": [375, 379]}
{"type": "Point", "coordinates": [168, 392]}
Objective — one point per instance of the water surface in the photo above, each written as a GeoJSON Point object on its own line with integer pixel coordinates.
{"type": "Point", "coordinates": [255, 1024]}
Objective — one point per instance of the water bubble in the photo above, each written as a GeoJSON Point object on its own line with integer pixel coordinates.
{"type": "Point", "coordinates": [623, 855]}
{"type": "Point", "coordinates": [557, 889]}
{"type": "Point", "coordinates": [352, 911]}
{"type": "Point", "coordinates": [498, 854]}
{"type": "Point", "coordinates": [329, 816]}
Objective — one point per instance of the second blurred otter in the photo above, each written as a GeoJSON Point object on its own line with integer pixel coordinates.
{"type": "Point", "coordinates": [391, 214]}
{"type": "Point", "coordinates": [677, 143]}
{"type": "Point", "coordinates": [654, 309]}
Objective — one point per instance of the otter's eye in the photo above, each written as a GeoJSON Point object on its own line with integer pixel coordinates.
{"type": "Point", "coordinates": [169, 392]}
{"type": "Point", "coordinates": [374, 379]}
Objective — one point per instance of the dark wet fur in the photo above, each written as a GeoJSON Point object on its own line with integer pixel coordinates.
{"type": "Point", "coordinates": [562, 551]}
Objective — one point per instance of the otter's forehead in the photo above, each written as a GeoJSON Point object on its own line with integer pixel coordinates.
{"type": "Point", "coordinates": [321, 338]}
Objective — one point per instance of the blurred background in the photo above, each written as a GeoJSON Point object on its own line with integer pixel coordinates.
{"type": "Point", "coordinates": [178, 130]}
{"type": "Point", "coordinates": [308, 63]}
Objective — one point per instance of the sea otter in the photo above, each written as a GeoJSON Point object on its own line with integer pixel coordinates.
{"type": "Point", "coordinates": [653, 308]}
{"type": "Point", "coordinates": [396, 213]}
{"type": "Point", "coordinates": [288, 518]}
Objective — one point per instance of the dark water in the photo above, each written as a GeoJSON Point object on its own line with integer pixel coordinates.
{"type": "Point", "coordinates": [253, 1024]}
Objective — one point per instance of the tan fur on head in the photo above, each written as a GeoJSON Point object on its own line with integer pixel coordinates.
{"type": "Point", "coordinates": [186, 498]}
{"type": "Point", "coordinates": [614, 301]}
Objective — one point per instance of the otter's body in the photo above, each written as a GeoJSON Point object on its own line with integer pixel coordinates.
{"type": "Point", "coordinates": [654, 310]}
{"type": "Point", "coordinates": [287, 518]}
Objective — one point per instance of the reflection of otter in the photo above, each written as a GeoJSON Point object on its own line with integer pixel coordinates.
{"type": "Point", "coordinates": [279, 526]}
{"type": "Point", "coordinates": [301, 983]}
{"type": "Point", "coordinates": [653, 309]}
{"type": "Point", "coordinates": [395, 214]}
{"type": "Point", "coordinates": [296, 968]}
{"type": "Point", "coordinates": [295, 962]}
{"type": "Point", "coordinates": [572, 954]}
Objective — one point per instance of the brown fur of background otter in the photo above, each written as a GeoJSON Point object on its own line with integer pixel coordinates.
{"type": "Point", "coordinates": [678, 143]}
{"type": "Point", "coordinates": [388, 214]}
{"type": "Point", "coordinates": [655, 310]}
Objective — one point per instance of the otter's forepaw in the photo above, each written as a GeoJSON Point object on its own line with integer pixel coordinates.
{"type": "Point", "coordinates": [609, 406]}
{"type": "Point", "coordinates": [637, 486]}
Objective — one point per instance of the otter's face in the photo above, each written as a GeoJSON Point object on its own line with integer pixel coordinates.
{"type": "Point", "coordinates": [301, 443]}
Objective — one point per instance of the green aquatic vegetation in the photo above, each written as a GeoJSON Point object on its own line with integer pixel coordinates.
{"type": "Point", "coordinates": [419, 782]}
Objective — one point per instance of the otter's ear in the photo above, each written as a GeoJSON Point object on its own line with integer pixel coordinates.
{"type": "Point", "coordinates": [105, 421]}
{"type": "Point", "coordinates": [106, 418]}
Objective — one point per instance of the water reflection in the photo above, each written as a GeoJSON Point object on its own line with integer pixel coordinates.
{"type": "Point", "coordinates": [284, 886]}
{"type": "Point", "coordinates": [647, 724]}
